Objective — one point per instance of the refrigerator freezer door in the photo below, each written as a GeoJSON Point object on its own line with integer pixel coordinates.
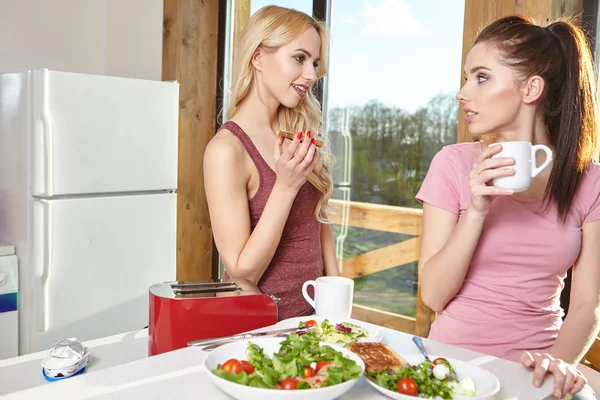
{"type": "Point", "coordinates": [95, 259]}
{"type": "Point", "coordinates": [101, 134]}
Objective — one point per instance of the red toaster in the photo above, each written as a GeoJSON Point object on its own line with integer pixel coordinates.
{"type": "Point", "coordinates": [183, 311]}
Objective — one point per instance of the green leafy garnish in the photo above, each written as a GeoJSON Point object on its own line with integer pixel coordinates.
{"type": "Point", "coordinates": [342, 333]}
{"type": "Point", "coordinates": [429, 386]}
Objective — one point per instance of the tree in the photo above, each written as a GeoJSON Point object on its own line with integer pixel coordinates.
{"type": "Point", "coordinates": [391, 149]}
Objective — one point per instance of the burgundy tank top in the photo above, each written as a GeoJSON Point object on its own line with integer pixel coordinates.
{"type": "Point", "coordinates": [298, 257]}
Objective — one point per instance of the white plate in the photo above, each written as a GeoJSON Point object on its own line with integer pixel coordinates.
{"type": "Point", "coordinates": [486, 383]}
{"type": "Point", "coordinates": [375, 334]}
{"type": "Point", "coordinates": [237, 350]}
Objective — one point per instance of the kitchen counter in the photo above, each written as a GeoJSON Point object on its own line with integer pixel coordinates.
{"type": "Point", "coordinates": [120, 369]}
{"type": "Point", "coordinates": [25, 372]}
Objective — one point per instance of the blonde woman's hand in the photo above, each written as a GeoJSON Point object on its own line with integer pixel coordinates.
{"type": "Point", "coordinates": [484, 170]}
{"type": "Point", "coordinates": [294, 164]}
{"type": "Point", "coordinates": [566, 378]}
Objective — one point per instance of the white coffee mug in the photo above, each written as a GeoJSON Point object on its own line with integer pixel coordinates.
{"type": "Point", "coordinates": [333, 296]}
{"type": "Point", "coordinates": [525, 165]}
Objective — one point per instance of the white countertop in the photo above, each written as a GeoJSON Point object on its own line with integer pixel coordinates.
{"type": "Point", "coordinates": [25, 372]}
{"type": "Point", "coordinates": [120, 369]}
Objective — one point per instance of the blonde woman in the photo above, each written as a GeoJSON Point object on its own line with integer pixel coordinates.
{"type": "Point", "coordinates": [268, 196]}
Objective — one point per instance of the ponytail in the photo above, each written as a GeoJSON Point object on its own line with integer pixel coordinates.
{"type": "Point", "coordinates": [559, 54]}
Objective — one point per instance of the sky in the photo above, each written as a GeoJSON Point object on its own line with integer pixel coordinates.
{"type": "Point", "coordinates": [400, 52]}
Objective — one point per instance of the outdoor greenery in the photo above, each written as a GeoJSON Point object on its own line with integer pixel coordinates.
{"type": "Point", "coordinates": [391, 150]}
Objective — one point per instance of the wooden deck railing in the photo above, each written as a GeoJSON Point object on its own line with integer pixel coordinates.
{"type": "Point", "coordinates": [401, 220]}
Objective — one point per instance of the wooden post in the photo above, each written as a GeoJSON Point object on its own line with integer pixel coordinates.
{"type": "Point", "coordinates": [479, 13]}
{"type": "Point", "coordinates": [190, 30]}
{"type": "Point", "coordinates": [241, 10]}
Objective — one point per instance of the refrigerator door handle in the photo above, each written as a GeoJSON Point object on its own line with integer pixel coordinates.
{"type": "Point", "coordinates": [43, 138]}
{"type": "Point", "coordinates": [42, 246]}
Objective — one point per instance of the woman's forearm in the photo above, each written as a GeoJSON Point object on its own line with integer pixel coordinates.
{"type": "Point", "coordinates": [443, 274]}
{"type": "Point", "coordinates": [258, 251]}
{"type": "Point", "coordinates": [330, 263]}
{"type": "Point", "coordinates": [577, 334]}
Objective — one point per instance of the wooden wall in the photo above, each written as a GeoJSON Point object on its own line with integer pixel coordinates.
{"type": "Point", "coordinates": [190, 30]}
{"type": "Point", "coordinates": [241, 9]}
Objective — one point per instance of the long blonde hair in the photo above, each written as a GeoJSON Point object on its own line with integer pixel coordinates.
{"type": "Point", "coordinates": [270, 28]}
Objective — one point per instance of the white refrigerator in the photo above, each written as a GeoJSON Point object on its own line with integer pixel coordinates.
{"type": "Point", "coordinates": [88, 172]}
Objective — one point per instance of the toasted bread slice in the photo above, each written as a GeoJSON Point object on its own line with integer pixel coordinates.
{"type": "Point", "coordinates": [377, 356]}
{"type": "Point", "coordinates": [290, 136]}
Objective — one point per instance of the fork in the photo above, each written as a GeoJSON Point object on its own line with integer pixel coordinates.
{"type": "Point", "coordinates": [419, 342]}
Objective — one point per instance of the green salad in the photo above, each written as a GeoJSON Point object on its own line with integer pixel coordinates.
{"type": "Point", "coordinates": [342, 333]}
{"type": "Point", "coordinates": [435, 379]}
{"type": "Point", "coordinates": [300, 363]}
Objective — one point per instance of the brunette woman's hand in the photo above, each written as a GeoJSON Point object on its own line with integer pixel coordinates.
{"type": "Point", "coordinates": [566, 378]}
{"type": "Point", "coordinates": [484, 170]}
{"type": "Point", "coordinates": [294, 164]}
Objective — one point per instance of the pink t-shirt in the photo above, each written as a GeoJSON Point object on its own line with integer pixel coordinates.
{"type": "Point", "coordinates": [509, 300]}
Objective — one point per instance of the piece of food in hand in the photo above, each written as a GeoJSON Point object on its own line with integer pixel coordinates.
{"type": "Point", "coordinates": [377, 356]}
{"type": "Point", "coordinates": [290, 136]}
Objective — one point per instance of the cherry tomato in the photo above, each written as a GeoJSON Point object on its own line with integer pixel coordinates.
{"type": "Point", "coordinates": [312, 322]}
{"type": "Point", "coordinates": [408, 386]}
{"type": "Point", "coordinates": [321, 364]}
{"type": "Point", "coordinates": [232, 365]}
{"type": "Point", "coordinates": [440, 361]}
{"type": "Point", "coordinates": [308, 372]}
{"type": "Point", "coordinates": [289, 384]}
{"type": "Point", "coordinates": [248, 368]}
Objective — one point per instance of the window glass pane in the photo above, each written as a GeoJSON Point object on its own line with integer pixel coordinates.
{"type": "Point", "coordinates": [394, 69]}
{"type": "Point", "coordinates": [305, 6]}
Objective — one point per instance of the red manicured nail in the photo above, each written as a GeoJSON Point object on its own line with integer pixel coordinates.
{"type": "Point", "coordinates": [299, 135]}
{"type": "Point", "coordinates": [313, 141]}
{"type": "Point", "coordinates": [308, 133]}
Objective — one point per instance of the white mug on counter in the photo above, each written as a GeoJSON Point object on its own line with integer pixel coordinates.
{"type": "Point", "coordinates": [525, 165]}
{"type": "Point", "coordinates": [333, 296]}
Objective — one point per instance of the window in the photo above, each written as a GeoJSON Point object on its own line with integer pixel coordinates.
{"type": "Point", "coordinates": [394, 68]}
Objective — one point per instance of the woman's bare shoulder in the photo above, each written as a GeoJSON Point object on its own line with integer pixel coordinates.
{"type": "Point", "coordinates": [225, 147]}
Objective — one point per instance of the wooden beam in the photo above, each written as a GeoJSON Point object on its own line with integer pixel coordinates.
{"type": "Point", "coordinates": [540, 11]}
{"type": "Point", "coordinates": [425, 316]}
{"type": "Point", "coordinates": [563, 8]}
{"type": "Point", "coordinates": [593, 354]}
{"type": "Point", "coordinates": [383, 318]}
{"type": "Point", "coordinates": [190, 31]}
{"type": "Point", "coordinates": [546, 11]}
{"type": "Point", "coordinates": [376, 216]}
{"type": "Point", "coordinates": [381, 259]}
{"type": "Point", "coordinates": [241, 15]}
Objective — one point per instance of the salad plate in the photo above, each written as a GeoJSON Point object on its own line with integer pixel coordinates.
{"type": "Point", "coordinates": [351, 330]}
{"type": "Point", "coordinates": [474, 383]}
{"type": "Point", "coordinates": [272, 362]}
